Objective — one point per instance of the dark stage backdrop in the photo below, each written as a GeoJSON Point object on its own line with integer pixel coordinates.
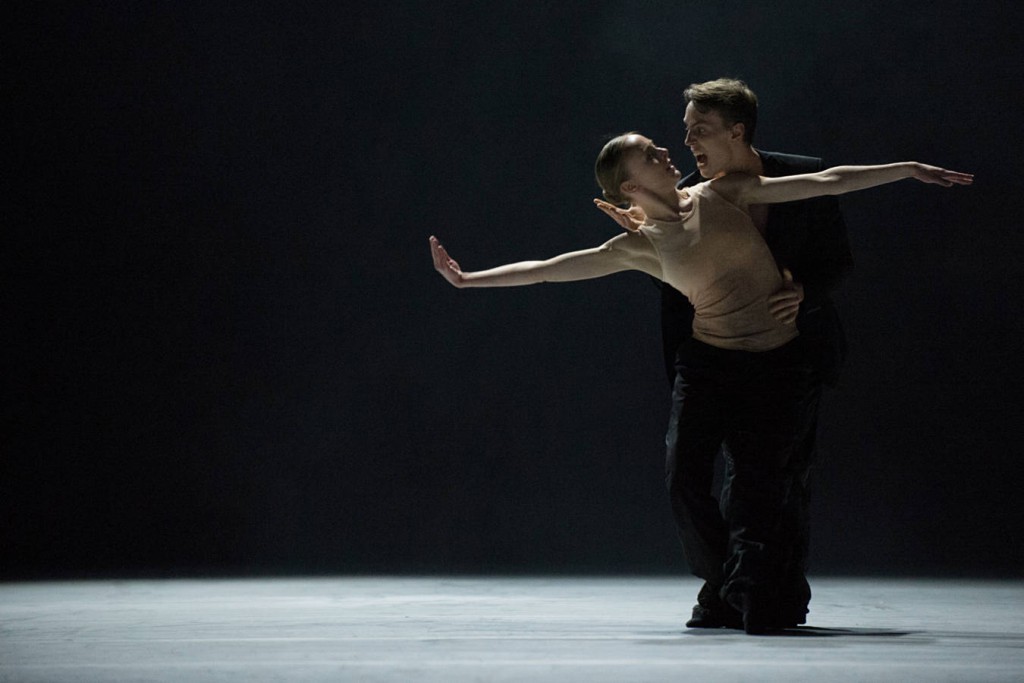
{"type": "Point", "coordinates": [225, 349]}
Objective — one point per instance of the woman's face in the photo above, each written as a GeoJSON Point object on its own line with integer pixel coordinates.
{"type": "Point", "coordinates": [649, 166]}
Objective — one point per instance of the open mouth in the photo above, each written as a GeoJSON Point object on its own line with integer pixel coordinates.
{"type": "Point", "coordinates": [701, 159]}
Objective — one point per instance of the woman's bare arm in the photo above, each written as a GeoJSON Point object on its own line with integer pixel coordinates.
{"type": "Point", "coordinates": [744, 189]}
{"type": "Point", "coordinates": [630, 251]}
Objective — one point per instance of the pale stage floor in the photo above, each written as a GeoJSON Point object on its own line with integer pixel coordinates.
{"type": "Point", "coordinates": [497, 629]}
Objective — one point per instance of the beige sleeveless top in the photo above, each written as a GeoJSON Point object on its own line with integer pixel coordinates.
{"type": "Point", "coordinates": [720, 262]}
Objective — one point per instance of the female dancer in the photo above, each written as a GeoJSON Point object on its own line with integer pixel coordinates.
{"type": "Point", "coordinates": [741, 378]}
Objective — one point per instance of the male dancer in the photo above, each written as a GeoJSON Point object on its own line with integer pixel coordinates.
{"type": "Point", "coordinates": [808, 240]}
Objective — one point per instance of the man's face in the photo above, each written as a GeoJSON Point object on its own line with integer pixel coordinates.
{"type": "Point", "coordinates": [714, 145]}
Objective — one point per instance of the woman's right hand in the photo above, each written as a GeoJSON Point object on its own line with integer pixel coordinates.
{"type": "Point", "coordinates": [445, 264]}
{"type": "Point", "coordinates": [628, 219]}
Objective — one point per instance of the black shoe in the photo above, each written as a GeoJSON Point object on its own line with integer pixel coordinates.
{"type": "Point", "coordinates": [702, 617]}
{"type": "Point", "coordinates": [788, 617]}
{"type": "Point", "coordinates": [713, 612]}
{"type": "Point", "coordinates": [756, 619]}
{"type": "Point", "coordinates": [790, 609]}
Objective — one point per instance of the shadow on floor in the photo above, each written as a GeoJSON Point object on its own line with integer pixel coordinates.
{"type": "Point", "coordinates": [818, 632]}
{"type": "Point", "coordinates": [811, 632]}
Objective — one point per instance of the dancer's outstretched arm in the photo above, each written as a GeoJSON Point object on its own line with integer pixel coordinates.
{"type": "Point", "coordinates": [742, 189]}
{"type": "Point", "coordinates": [624, 252]}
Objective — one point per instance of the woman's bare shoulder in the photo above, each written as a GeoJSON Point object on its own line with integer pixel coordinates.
{"type": "Point", "coordinates": [734, 186]}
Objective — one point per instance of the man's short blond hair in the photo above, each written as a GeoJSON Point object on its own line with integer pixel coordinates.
{"type": "Point", "coordinates": [730, 98]}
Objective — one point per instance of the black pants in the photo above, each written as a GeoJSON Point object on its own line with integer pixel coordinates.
{"type": "Point", "coordinates": [757, 405]}
{"type": "Point", "coordinates": [794, 592]}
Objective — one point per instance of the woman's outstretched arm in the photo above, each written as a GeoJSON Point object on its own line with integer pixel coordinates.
{"type": "Point", "coordinates": [746, 189]}
{"type": "Point", "coordinates": [623, 252]}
